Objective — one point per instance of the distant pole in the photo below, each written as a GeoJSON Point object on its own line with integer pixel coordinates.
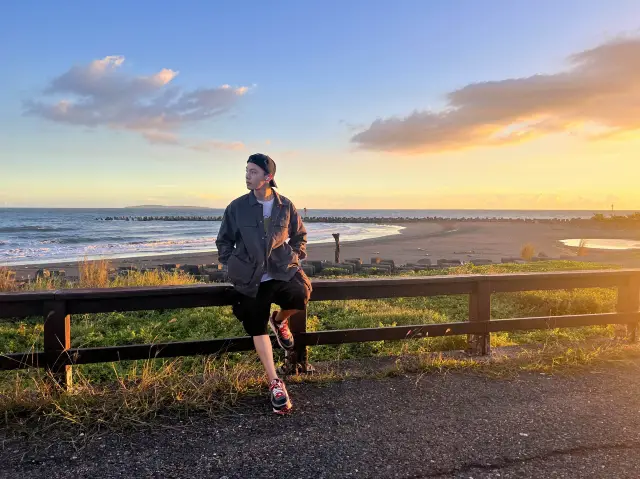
{"type": "Point", "coordinates": [336, 236]}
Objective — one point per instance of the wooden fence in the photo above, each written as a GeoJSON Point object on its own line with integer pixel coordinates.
{"type": "Point", "coordinates": [57, 307]}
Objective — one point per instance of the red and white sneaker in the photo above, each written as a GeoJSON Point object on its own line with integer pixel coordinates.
{"type": "Point", "coordinates": [282, 331]}
{"type": "Point", "coordinates": [279, 397]}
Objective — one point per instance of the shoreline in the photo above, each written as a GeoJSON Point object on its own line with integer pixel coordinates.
{"type": "Point", "coordinates": [461, 240]}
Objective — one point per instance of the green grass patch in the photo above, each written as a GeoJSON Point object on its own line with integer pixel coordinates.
{"type": "Point", "coordinates": [110, 329]}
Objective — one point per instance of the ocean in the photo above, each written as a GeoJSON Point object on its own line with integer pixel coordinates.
{"type": "Point", "coordinates": [42, 235]}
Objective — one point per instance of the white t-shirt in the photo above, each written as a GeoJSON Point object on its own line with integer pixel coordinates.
{"type": "Point", "coordinates": [267, 206]}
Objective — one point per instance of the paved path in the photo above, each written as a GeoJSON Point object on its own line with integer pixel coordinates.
{"type": "Point", "coordinates": [586, 425]}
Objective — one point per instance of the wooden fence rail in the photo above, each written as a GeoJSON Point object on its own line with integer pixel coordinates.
{"type": "Point", "coordinates": [57, 307]}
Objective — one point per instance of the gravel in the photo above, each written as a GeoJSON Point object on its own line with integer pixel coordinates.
{"type": "Point", "coordinates": [459, 425]}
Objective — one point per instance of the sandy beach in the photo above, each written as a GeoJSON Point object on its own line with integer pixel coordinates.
{"type": "Point", "coordinates": [463, 240]}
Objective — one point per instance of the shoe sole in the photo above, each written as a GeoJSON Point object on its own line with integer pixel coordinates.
{"type": "Point", "coordinates": [284, 410]}
{"type": "Point", "coordinates": [275, 331]}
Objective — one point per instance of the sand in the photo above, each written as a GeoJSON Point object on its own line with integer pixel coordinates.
{"type": "Point", "coordinates": [448, 240]}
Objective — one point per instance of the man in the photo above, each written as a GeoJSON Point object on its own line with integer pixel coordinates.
{"type": "Point", "coordinates": [263, 267]}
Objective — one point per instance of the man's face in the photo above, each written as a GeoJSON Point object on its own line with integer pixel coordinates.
{"type": "Point", "coordinates": [256, 177]}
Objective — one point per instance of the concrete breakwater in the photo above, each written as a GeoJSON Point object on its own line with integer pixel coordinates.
{"type": "Point", "coordinates": [377, 266]}
{"type": "Point", "coordinates": [369, 220]}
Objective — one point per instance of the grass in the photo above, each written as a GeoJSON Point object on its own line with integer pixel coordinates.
{"type": "Point", "coordinates": [527, 252]}
{"type": "Point", "coordinates": [7, 280]}
{"type": "Point", "coordinates": [180, 390]}
{"type": "Point", "coordinates": [582, 248]}
{"type": "Point", "coordinates": [133, 391]}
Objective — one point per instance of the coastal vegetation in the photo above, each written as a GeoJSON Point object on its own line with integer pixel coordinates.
{"type": "Point", "coordinates": [133, 391]}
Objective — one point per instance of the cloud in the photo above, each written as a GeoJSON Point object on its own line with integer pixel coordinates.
{"type": "Point", "coordinates": [161, 137]}
{"type": "Point", "coordinates": [212, 145]}
{"type": "Point", "coordinates": [100, 94]}
{"type": "Point", "coordinates": [597, 96]}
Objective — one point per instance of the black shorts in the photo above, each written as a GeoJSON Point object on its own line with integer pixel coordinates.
{"type": "Point", "coordinates": [255, 312]}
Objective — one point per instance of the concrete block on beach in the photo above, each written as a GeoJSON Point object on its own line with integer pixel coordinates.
{"type": "Point", "coordinates": [168, 266]}
{"type": "Point", "coordinates": [480, 262]}
{"type": "Point", "coordinates": [211, 268]}
{"type": "Point", "coordinates": [316, 264]}
{"type": "Point", "coordinates": [125, 270]}
{"type": "Point", "coordinates": [355, 261]}
{"type": "Point", "coordinates": [510, 259]}
{"type": "Point", "coordinates": [405, 269]}
{"type": "Point", "coordinates": [350, 267]}
{"type": "Point", "coordinates": [377, 269]}
{"type": "Point", "coordinates": [449, 262]}
{"type": "Point", "coordinates": [218, 276]}
{"type": "Point", "coordinates": [425, 261]}
{"type": "Point", "coordinates": [43, 273]}
{"type": "Point", "coordinates": [192, 269]}
{"type": "Point", "coordinates": [380, 266]}
{"type": "Point", "coordinates": [309, 269]}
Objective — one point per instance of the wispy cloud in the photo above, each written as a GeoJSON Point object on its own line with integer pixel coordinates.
{"type": "Point", "coordinates": [212, 145]}
{"type": "Point", "coordinates": [100, 94]}
{"type": "Point", "coordinates": [596, 97]}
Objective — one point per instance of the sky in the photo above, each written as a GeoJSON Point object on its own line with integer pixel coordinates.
{"type": "Point", "coordinates": [467, 104]}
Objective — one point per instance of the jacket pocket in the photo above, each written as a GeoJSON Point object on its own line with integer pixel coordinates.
{"type": "Point", "coordinates": [304, 279]}
{"type": "Point", "coordinates": [240, 271]}
{"type": "Point", "coordinates": [280, 232]}
{"type": "Point", "coordinates": [284, 257]}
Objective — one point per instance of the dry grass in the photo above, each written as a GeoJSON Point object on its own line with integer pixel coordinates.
{"type": "Point", "coordinates": [7, 280]}
{"type": "Point", "coordinates": [553, 357]}
{"type": "Point", "coordinates": [527, 252]}
{"type": "Point", "coordinates": [160, 388]}
{"type": "Point", "coordinates": [582, 248]}
{"type": "Point", "coordinates": [94, 274]}
{"type": "Point", "coordinates": [155, 388]}
{"type": "Point", "coordinates": [152, 278]}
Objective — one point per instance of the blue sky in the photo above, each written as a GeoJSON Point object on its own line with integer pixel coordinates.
{"type": "Point", "coordinates": [308, 77]}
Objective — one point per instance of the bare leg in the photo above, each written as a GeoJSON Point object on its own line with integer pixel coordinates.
{"type": "Point", "coordinates": [265, 353]}
{"type": "Point", "coordinates": [282, 315]}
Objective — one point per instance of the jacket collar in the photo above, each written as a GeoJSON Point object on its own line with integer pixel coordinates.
{"type": "Point", "coordinates": [254, 201]}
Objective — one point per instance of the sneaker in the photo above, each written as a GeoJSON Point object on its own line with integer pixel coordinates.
{"type": "Point", "coordinates": [282, 331]}
{"type": "Point", "coordinates": [279, 397]}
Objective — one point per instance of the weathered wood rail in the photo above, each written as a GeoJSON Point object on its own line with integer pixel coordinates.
{"type": "Point", "coordinates": [57, 307]}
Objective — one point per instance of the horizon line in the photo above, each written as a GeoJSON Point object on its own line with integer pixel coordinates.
{"type": "Point", "coordinates": [308, 209]}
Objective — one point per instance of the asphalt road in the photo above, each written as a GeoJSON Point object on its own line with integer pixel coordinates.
{"type": "Point", "coordinates": [584, 425]}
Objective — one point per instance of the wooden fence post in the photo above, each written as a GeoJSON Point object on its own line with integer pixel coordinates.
{"type": "Point", "coordinates": [480, 310]}
{"type": "Point", "coordinates": [57, 341]}
{"type": "Point", "coordinates": [336, 237]}
{"type": "Point", "coordinates": [629, 302]}
{"type": "Point", "coordinates": [296, 361]}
